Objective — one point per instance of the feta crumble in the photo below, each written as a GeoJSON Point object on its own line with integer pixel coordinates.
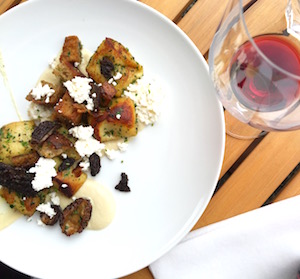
{"type": "Point", "coordinates": [147, 96]}
{"type": "Point", "coordinates": [41, 91]}
{"type": "Point", "coordinates": [111, 154]}
{"type": "Point", "coordinates": [79, 89]}
{"type": "Point", "coordinates": [44, 171]}
{"type": "Point", "coordinates": [46, 208]}
{"type": "Point", "coordinates": [85, 164]}
{"type": "Point", "coordinates": [40, 223]}
{"type": "Point", "coordinates": [65, 156]}
{"type": "Point", "coordinates": [54, 198]}
{"type": "Point", "coordinates": [123, 146]}
{"type": "Point", "coordinates": [86, 144]}
{"type": "Point", "coordinates": [38, 112]}
{"type": "Point", "coordinates": [117, 76]}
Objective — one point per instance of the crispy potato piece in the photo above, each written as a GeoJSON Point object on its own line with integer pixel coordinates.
{"type": "Point", "coordinates": [66, 71]}
{"type": "Point", "coordinates": [119, 122]}
{"type": "Point", "coordinates": [123, 62]}
{"type": "Point", "coordinates": [59, 92]}
{"type": "Point", "coordinates": [65, 110]}
{"type": "Point", "coordinates": [71, 51]}
{"type": "Point", "coordinates": [25, 160]}
{"type": "Point", "coordinates": [54, 145]}
{"type": "Point", "coordinates": [25, 205]}
{"type": "Point", "coordinates": [15, 140]}
{"type": "Point", "coordinates": [69, 181]}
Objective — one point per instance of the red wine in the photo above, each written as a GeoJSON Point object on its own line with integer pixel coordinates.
{"type": "Point", "coordinates": [256, 83]}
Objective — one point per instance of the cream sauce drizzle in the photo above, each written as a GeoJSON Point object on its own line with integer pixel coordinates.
{"type": "Point", "coordinates": [102, 200]}
{"type": "Point", "coordinates": [104, 206]}
{"type": "Point", "coordinates": [8, 87]}
{"type": "Point", "coordinates": [7, 215]}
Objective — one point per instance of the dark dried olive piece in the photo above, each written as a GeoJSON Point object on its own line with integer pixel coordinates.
{"type": "Point", "coordinates": [95, 164]}
{"type": "Point", "coordinates": [123, 184]}
{"type": "Point", "coordinates": [67, 163]}
{"type": "Point", "coordinates": [104, 94]}
{"type": "Point", "coordinates": [47, 220]}
{"type": "Point", "coordinates": [17, 179]}
{"type": "Point", "coordinates": [43, 131]}
{"type": "Point", "coordinates": [107, 67]}
{"type": "Point", "coordinates": [75, 216]}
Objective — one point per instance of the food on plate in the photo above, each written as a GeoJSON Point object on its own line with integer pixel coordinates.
{"type": "Point", "coordinates": [119, 121]}
{"type": "Point", "coordinates": [84, 107]}
{"type": "Point", "coordinates": [75, 216]}
{"type": "Point", "coordinates": [123, 184]}
{"type": "Point", "coordinates": [15, 140]}
{"type": "Point", "coordinates": [113, 62]}
{"type": "Point", "coordinates": [52, 219]}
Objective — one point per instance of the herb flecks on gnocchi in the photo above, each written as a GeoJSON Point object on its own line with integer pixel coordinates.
{"type": "Point", "coordinates": [85, 104]}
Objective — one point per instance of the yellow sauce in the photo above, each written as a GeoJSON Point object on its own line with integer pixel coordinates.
{"type": "Point", "coordinates": [7, 215]}
{"type": "Point", "coordinates": [102, 200]}
{"type": "Point", "coordinates": [104, 206]}
{"type": "Point", "coordinates": [8, 87]}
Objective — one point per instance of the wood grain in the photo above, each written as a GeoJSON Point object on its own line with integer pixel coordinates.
{"type": "Point", "coordinates": [269, 163]}
{"type": "Point", "coordinates": [292, 189]}
{"type": "Point", "coordinates": [7, 4]}
{"type": "Point", "coordinates": [170, 8]}
{"type": "Point", "coordinates": [256, 178]}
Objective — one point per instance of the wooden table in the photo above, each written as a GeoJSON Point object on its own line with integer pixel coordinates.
{"type": "Point", "coordinates": [255, 172]}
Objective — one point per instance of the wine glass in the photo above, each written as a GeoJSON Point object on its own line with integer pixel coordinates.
{"type": "Point", "coordinates": [254, 62]}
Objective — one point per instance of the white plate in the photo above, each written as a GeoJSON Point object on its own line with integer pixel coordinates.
{"type": "Point", "coordinates": [173, 167]}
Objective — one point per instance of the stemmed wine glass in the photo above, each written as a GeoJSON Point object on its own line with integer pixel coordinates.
{"type": "Point", "coordinates": [254, 62]}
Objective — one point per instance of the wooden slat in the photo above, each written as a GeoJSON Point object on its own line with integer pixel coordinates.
{"type": "Point", "coordinates": [292, 189]}
{"type": "Point", "coordinates": [170, 8]}
{"type": "Point", "coordinates": [6, 4]}
{"type": "Point", "coordinates": [256, 178]}
{"type": "Point", "coordinates": [200, 25]}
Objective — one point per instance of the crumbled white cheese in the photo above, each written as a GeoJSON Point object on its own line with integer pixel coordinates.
{"type": "Point", "coordinates": [117, 76]}
{"type": "Point", "coordinates": [86, 144]}
{"type": "Point", "coordinates": [118, 116]}
{"type": "Point", "coordinates": [46, 208]}
{"type": "Point", "coordinates": [54, 198]}
{"type": "Point", "coordinates": [40, 223]}
{"type": "Point", "coordinates": [110, 81]}
{"type": "Point", "coordinates": [53, 63]}
{"type": "Point", "coordinates": [64, 155]}
{"type": "Point", "coordinates": [85, 164]}
{"type": "Point", "coordinates": [82, 132]}
{"type": "Point", "coordinates": [64, 185]}
{"type": "Point", "coordinates": [88, 147]}
{"type": "Point", "coordinates": [76, 64]}
{"type": "Point", "coordinates": [147, 96]}
{"type": "Point", "coordinates": [41, 91]}
{"type": "Point", "coordinates": [79, 89]}
{"type": "Point", "coordinates": [38, 112]}
{"type": "Point", "coordinates": [123, 146]}
{"type": "Point", "coordinates": [114, 83]}
{"type": "Point", "coordinates": [44, 171]}
{"type": "Point", "coordinates": [111, 154]}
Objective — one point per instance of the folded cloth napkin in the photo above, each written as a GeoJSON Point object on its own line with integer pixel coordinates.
{"type": "Point", "coordinates": [263, 243]}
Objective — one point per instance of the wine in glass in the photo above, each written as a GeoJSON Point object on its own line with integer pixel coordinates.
{"type": "Point", "coordinates": [254, 62]}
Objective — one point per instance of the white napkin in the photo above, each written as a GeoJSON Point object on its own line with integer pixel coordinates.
{"type": "Point", "coordinates": [263, 243]}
